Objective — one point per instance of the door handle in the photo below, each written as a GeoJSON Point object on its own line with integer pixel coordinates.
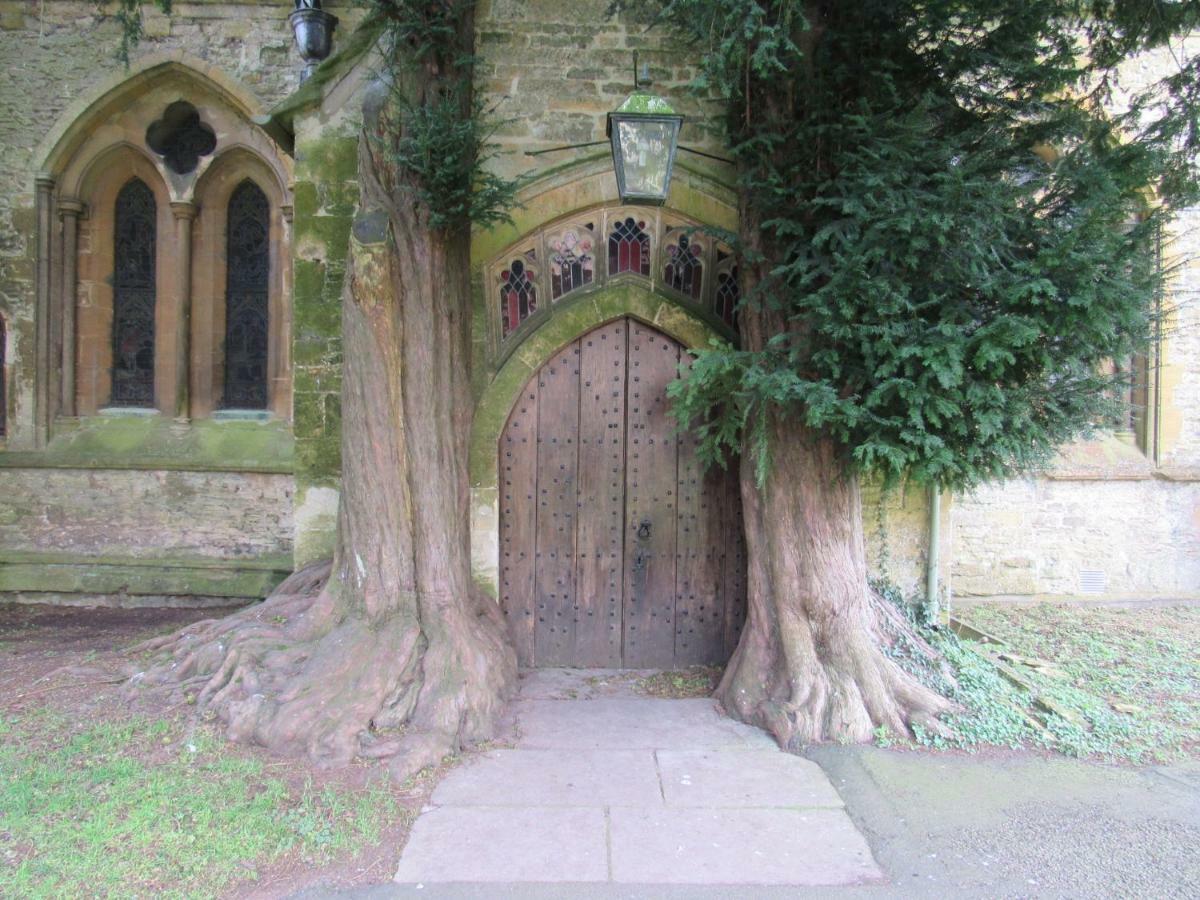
{"type": "Point", "coordinates": [643, 531]}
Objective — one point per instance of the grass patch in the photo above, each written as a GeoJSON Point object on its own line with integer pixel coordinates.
{"type": "Point", "coordinates": [138, 808]}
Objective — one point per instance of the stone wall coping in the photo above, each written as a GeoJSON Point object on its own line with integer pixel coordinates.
{"type": "Point", "coordinates": [278, 122]}
{"type": "Point", "coordinates": [154, 443]}
{"type": "Point", "coordinates": [1176, 474]}
{"type": "Point", "coordinates": [267, 562]}
{"type": "Point", "coordinates": [32, 460]}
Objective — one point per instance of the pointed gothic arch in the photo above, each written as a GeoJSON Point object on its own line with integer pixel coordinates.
{"type": "Point", "coordinates": [137, 126]}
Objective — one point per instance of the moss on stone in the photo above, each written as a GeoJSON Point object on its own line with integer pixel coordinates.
{"type": "Point", "coordinates": [307, 419]}
{"type": "Point", "coordinates": [89, 577]}
{"type": "Point", "coordinates": [319, 460]}
{"type": "Point", "coordinates": [154, 442]}
{"type": "Point", "coordinates": [304, 202]}
{"type": "Point", "coordinates": [308, 280]}
{"type": "Point", "coordinates": [332, 160]}
{"type": "Point", "coordinates": [330, 233]}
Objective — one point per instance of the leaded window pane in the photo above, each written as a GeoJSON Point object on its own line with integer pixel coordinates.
{"type": "Point", "coordinates": [684, 269]}
{"type": "Point", "coordinates": [729, 294]}
{"type": "Point", "coordinates": [572, 259]}
{"type": "Point", "coordinates": [629, 248]}
{"type": "Point", "coordinates": [134, 296]}
{"type": "Point", "coordinates": [518, 295]}
{"type": "Point", "coordinates": [247, 275]}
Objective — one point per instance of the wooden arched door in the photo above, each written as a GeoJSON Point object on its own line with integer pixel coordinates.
{"type": "Point", "coordinates": [615, 548]}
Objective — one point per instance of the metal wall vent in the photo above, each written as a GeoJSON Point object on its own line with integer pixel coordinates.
{"type": "Point", "coordinates": [1092, 581]}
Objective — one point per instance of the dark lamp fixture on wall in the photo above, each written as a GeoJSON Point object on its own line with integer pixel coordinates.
{"type": "Point", "coordinates": [314, 33]}
{"type": "Point", "coordinates": [644, 134]}
{"type": "Point", "coordinates": [644, 131]}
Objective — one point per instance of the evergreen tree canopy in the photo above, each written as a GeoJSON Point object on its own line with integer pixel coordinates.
{"type": "Point", "coordinates": [953, 209]}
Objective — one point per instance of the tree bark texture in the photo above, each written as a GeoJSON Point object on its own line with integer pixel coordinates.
{"type": "Point", "coordinates": [389, 650]}
{"type": "Point", "coordinates": [810, 665]}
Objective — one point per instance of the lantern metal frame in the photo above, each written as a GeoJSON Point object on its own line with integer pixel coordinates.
{"type": "Point", "coordinates": [642, 108]}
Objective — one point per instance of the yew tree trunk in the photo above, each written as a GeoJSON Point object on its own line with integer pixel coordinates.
{"type": "Point", "coordinates": [389, 650]}
{"type": "Point", "coordinates": [810, 665]}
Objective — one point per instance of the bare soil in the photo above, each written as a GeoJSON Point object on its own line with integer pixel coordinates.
{"type": "Point", "coordinates": [57, 659]}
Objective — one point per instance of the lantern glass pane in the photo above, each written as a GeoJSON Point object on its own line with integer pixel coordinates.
{"type": "Point", "coordinates": [646, 155]}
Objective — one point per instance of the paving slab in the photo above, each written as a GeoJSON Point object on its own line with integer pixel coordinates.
{"type": "Point", "coordinates": [632, 724]}
{"type": "Point", "coordinates": [739, 846]}
{"type": "Point", "coordinates": [533, 844]}
{"type": "Point", "coordinates": [608, 787]}
{"type": "Point", "coordinates": [579, 684]}
{"type": "Point", "coordinates": [554, 778]}
{"type": "Point", "coordinates": [735, 778]}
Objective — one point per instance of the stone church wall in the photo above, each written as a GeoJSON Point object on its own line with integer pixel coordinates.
{"type": "Point", "coordinates": [552, 71]}
{"type": "Point", "coordinates": [229, 522]}
{"type": "Point", "coordinates": [1053, 538]}
{"type": "Point", "coordinates": [105, 531]}
{"type": "Point", "coordinates": [96, 512]}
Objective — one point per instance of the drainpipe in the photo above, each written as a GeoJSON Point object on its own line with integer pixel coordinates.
{"type": "Point", "coordinates": [935, 534]}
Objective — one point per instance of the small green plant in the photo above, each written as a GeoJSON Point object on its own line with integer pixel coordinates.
{"type": "Point", "coordinates": [1128, 679]}
{"type": "Point", "coordinates": [1110, 683]}
{"type": "Point", "coordinates": [884, 737]}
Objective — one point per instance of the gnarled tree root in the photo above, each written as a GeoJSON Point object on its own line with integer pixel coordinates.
{"type": "Point", "coordinates": [299, 675]}
{"type": "Point", "coordinates": [834, 690]}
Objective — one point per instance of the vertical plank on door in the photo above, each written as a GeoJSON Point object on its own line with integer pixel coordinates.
{"type": "Point", "coordinates": [518, 510]}
{"type": "Point", "coordinates": [599, 570]}
{"type": "Point", "coordinates": [699, 601]}
{"type": "Point", "coordinates": [650, 501]}
{"type": "Point", "coordinates": [556, 607]}
{"type": "Point", "coordinates": [735, 560]}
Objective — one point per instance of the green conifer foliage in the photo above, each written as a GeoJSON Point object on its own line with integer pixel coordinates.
{"type": "Point", "coordinates": [951, 212]}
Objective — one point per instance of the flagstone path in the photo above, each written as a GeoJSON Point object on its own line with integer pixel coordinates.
{"type": "Point", "coordinates": [603, 785]}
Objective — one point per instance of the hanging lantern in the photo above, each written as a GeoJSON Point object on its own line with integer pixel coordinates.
{"type": "Point", "coordinates": [644, 131]}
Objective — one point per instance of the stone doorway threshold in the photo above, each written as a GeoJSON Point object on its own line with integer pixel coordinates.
{"type": "Point", "coordinates": [602, 785]}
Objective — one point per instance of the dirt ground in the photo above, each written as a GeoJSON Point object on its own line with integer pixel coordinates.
{"type": "Point", "coordinates": [38, 641]}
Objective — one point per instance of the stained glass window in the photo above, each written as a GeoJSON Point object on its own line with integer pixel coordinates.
{"type": "Point", "coordinates": [518, 296]}
{"type": "Point", "coordinates": [572, 262]}
{"type": "Point", "coordinates": [247, 272]}
{"type": "Point", "coordinates": [728, 295]}
{"type": "Point", "coordinates": [684, 268]}
{"type": "Point", "coordinates": [134, 265]}
{"type": "Point", "coordinates": [629, 248]}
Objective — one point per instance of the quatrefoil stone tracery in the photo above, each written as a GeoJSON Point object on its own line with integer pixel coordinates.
{"type": "Point", "coordinates": [180, 138]}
